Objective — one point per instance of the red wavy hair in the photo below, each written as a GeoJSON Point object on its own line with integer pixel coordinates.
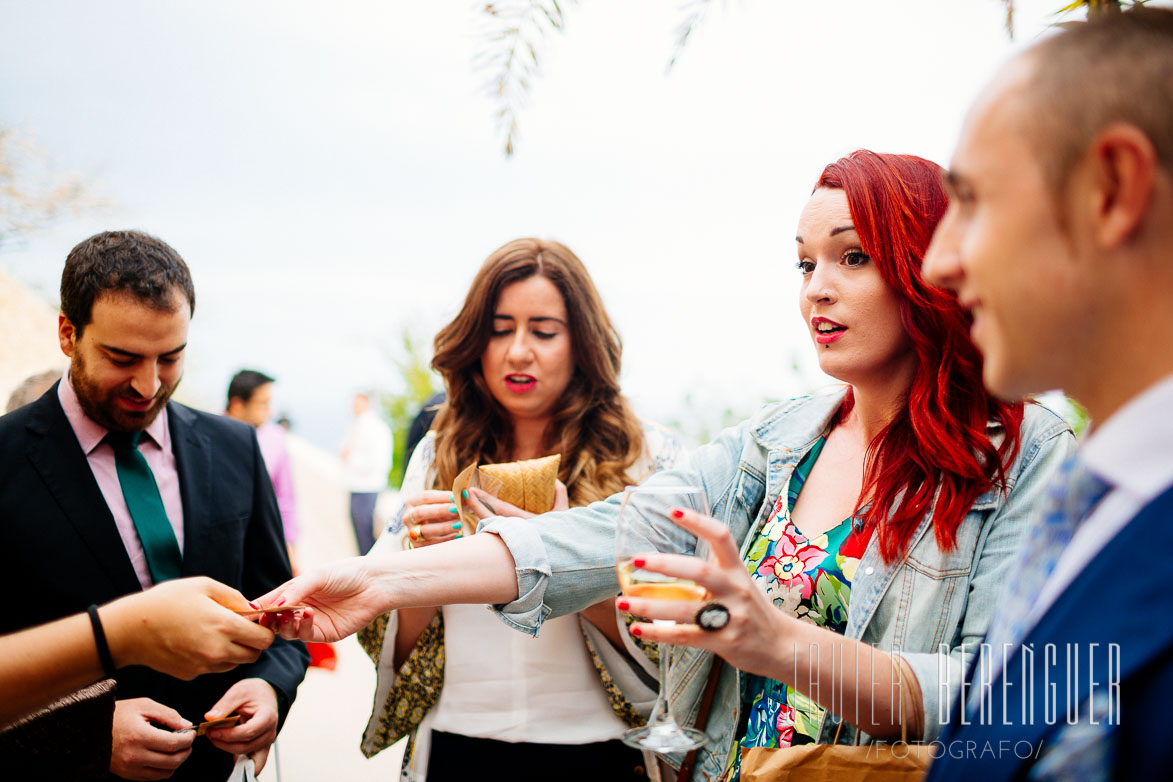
{"type": "Point", "coordinates": [936, 453]}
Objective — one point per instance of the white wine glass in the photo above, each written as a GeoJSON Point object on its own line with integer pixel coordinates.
{"type": "Point", "coordinates": [644, 527]}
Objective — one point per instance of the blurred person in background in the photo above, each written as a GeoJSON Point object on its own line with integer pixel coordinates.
{"type": "Point", "coordinates": [250, 399]}
{"type": "Point", "coordinates": [366, 464]}
{"type": "Point", "coordinates": [422, 423]}
{"type": "Point", "coordinates": [31, 388]}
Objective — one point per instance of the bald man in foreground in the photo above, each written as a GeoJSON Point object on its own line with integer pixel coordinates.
{"type": "Point", "coordinates": [1059, 238]}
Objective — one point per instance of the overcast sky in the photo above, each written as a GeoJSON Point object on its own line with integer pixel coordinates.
{"type": "Point", "coordinates": [331, 171]}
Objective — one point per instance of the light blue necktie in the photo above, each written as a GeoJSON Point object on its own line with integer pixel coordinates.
{"type": "Point", "coordinates": [146, 507]}
{"type": "Point", "coordinates": [1073, 493]}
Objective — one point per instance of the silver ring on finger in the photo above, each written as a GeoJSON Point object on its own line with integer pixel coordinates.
{"type": "Point", "coordinates": [712, 617]}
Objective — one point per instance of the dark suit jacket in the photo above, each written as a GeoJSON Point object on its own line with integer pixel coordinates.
{"type": "Point", "coordinates": [60, 550]}
{"type": "Point", "coordinates": [1124, 598]}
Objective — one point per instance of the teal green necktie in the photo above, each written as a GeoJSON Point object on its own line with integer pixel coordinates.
{"type": "Point", "coordinates": [146, 507]}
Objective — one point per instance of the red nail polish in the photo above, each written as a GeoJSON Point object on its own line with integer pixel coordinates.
{"type": "Point", "coordinates": [636, 631]}
{"type": "Point", "coordinates": [622, 605]}
{"type": "Point", "coordinates": [638, 561]}
{"type": "Point", "coordinates": [280, 602]}
{"type": "Point", "coordinates": [253, 605]}
{"type": "Point", "coordinates": [677, 513]}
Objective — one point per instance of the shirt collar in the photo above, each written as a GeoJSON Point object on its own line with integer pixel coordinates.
{"type": "Point", "coordinates": [1132, 448]}
{"type": "Point", "coordinates": [90, 433]}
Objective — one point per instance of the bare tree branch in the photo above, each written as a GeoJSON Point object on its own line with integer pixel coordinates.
{"type": "Point", "coordinates": [31, 196]}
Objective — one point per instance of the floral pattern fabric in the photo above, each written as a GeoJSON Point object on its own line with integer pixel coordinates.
{"type": "Point", "coordinates": [810, 579]}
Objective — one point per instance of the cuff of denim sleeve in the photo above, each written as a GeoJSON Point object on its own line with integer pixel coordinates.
{"type": "Point", "coordinates": [939, 677]}
{"type": "Point", "coordinates": [532, 566]}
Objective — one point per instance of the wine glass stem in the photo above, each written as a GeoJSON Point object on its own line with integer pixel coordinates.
{"type": "Point", "coordinates": [660, 714]}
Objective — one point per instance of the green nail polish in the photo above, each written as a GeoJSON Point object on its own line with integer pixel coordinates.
{"type": "Point", "coordinates": [451, 498]}
{"type": "Point", "coordinates": [452, 509]}
{"type": "Point", "coordinates": [464, 493]}
{"type": "Point", "coordinates": [457, 525]}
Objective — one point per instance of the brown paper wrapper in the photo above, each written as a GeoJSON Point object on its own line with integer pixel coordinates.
{"type": "Point", "coordinates": [836, 763]}
{"type": "Point", "coordinates": [529, 485]}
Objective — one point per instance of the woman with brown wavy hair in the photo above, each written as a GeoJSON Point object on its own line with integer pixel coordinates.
{"type": "Point", "coordinates": [531, 368]}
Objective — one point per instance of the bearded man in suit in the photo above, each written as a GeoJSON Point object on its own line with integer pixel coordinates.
{"type": "Point", "coordinates": [110, 487]}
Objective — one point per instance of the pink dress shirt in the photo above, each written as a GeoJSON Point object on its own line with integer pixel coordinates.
{"type": "Point", "coordinates": [276, 456]}
{"type": "Point", "coordinates": [155, 447]}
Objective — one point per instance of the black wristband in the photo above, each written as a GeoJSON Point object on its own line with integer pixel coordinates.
{"type": "Point", "coordinates": [100, 640]}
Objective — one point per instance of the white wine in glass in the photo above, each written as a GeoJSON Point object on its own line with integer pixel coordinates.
{"type": "Point", "coordinates": [644, 527]}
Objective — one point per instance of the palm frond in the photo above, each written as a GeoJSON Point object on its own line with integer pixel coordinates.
{"type": "Point", "coordinates": [514, 32]}
{"type": "Point", "coordinates": [694, 13]}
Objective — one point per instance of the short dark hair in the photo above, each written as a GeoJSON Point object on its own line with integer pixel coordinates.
{"type": "Point", "coordinates": [129, 262]}
{"type": "Point", "coordinates": [245, 383]}
{"type": "Point", "coordinates": [1114, 68]}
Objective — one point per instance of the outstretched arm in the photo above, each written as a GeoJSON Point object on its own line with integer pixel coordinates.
{"type": "Point", "coordinates": [345, 596]}
{"type": "Point", "coordinates": [183, 628]}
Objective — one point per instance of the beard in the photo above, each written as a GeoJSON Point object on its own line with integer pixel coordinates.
{"type": "Point", "coordinates": [100, 405]}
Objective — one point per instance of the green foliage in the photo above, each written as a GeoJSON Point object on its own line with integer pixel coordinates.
{"type": "Point", "coordinates": [1077, 416]}
{"type": "Point", "coordinates": [702, 420]}
{"type": "Point", "coordinates": [401, 407]}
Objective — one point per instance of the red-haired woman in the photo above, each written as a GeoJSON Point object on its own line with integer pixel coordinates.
{"type": "Point", "coordinates": [858, 539]}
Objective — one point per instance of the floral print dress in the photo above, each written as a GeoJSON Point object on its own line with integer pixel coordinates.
{"type": "Point", "coordinates": [809, 578]}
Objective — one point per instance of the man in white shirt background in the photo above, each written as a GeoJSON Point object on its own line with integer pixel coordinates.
{"type": "Point", "coordinates": [366, 460]}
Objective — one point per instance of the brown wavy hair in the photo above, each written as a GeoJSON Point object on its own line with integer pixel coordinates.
{"type": "Point", "coordinates": [592, 426]}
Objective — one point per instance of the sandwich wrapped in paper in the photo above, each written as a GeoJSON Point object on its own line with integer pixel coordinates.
{"type": "Point", "coordinates": [528, 485]}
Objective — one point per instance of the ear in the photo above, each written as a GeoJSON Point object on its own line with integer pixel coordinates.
{"type": "Point", "coordinates": [1123, 166]}
{"type": "Point", "coordinates": [66, 334]}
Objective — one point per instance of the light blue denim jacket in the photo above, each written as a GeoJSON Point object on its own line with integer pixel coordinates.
{"type": "Point", "coordinates": [930, 601]}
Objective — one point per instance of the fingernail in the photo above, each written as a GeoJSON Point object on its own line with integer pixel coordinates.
{"type": "Point", "coordinates": [452, 509]}
{"type": "Point", "coordinates": [636, 631]}
{"type": "Point", "coordinates": [413, 533]}
{"type": "Point", "coordinates": [451, 498]}
{"type": "Point", "coordinates": [280, 602]}
{"type": "Point", "coordinates": [457, 525]}
{"type": "Point", "coordinates": [639, 561]}
{"type": "Point", "coordinates": [253, 605]}
{"type": "Point", "coordinates": [677, 513]}
{"type": "Point", "coordinates": [622, 605]}
{"type": "Point", "coordinates": [464, 493]}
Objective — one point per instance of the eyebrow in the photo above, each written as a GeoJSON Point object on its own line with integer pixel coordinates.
{"type": "Point", "coordinates": [834, 232]}
{"type": "Point", "coordinates": [128, 354]}
{"type": "Point", "coordinates": [952, 180]}
{"type": "Point", "coordinates": [540, 319]}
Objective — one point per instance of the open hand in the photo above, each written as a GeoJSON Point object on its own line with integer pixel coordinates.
{"type": "Point", "coordinates": [753, 640]}
{"type": "Point", "coordinates": [342, 598]}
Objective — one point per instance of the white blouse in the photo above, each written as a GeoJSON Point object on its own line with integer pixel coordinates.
{"type": "Point", "coordinates": [500, 683]}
